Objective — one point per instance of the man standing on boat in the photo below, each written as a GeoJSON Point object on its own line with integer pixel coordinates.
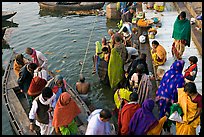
{"type": "Point", "coordinates": [40, 113]}
{"type": "Point", "coordinates": [38, 58]}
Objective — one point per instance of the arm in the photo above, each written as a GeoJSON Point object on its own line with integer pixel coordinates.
{"type": "Point", "coordinates": [44, 59]}
{"type": "Point", "coordinates": [57, 131]}
{"type": "Point", "coordinates": [32, 114]}
{"type": "Point", "coordinates": [21, 79]}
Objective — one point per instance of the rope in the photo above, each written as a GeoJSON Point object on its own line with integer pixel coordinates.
{"type": "Point", "coordinates": [88, 46]}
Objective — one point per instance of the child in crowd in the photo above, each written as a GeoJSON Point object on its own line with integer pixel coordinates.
{"type": "Point", "coordinates": [191, 71]}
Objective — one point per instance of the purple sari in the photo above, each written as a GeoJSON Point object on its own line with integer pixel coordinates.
{"type": "Point", "coordinates": [143, 119]}
{"type": "Point", "coordinates": [167, 91]}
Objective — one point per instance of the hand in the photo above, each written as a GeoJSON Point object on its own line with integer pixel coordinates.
{"type": "Point", "coordinates": [50, 109]}
{"type": "Point", "coordinates": [32, 127]}
{"type": "Point", "coordinates": [39, 68]}
{"type": "Point", "coordinates": [21, 90]}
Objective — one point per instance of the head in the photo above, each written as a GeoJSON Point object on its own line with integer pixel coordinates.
{"type": "Point", "coordinates": [133, 96]}
{"type": "Point", "coordinates": [32, 67]}
{"type": "Point", "coordinates": [182, 15]}
{"type": "Point", "coordinates": [19, 59]}
{"type": "Point", "coordinates": [143, 56]}
{"type": "Point", "coordinates": [178, 66]}
{"type": "Point", "coordinates": [65, 98]}
{"type": "Point", "coordinates": [110, 32]}
{"type": "Point", "coordinates": [47, 93]}
{"type": "Point", "coordinates": [155, 44]}
{"type": "Point", "coordinates": [29, 51]}
{"type": "Point", "coordinates": [117, 38]}
{"type": "Point", "coordinates": [193, 59]}
{"type": "Point", "coordinates": [103, 41]}
{"type": "Point", "coordinates": [148, 105]}
{"type": "Point", "coordinates": [132, 9]}
{"type": "Point", "coordinates": [125, 29]}
{"type": "Point", "coordinates": [140, 68]}
{"type": "Point", "coordinates": [58, 80]}
{"type": "Point", "coordinates": [105, 115]}
{"type": "Point", "coordinates": [81, 78]}
{"type": "Point", "coordinates": [190, 88]}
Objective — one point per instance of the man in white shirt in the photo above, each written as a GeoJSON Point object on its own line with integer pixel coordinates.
{"type": "Point", "coordinates": [38, 58]}
{"type": "Point", "coordinates": [99, 122]}
{"type": "Point", "coordinates": [41, 110]}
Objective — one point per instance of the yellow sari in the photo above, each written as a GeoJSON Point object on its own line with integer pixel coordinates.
{"type": "Point", "coordinates": [159, 57]}
{"type": "Point", "coordinates": [189, 109]}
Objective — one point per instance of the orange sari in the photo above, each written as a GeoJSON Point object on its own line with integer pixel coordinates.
{"type": "Point", "coordinates": [189, 109]}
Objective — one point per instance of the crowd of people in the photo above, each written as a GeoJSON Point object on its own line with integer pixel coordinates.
{"type": "Point", "coordinates": [121, 65]}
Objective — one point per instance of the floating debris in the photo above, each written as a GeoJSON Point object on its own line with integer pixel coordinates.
{"type": "Point", "coordinates": [74, 41]}
{"type": "Point", "coordinates": [63, 61]}
{"type": "Point", "coordinates": [80, 62]}
{"type": "Point", "coordinates": [64, 56]}
{"type": "Point", "coordinates": [58, 71]}
{"type": "Point", "coordinates": [48, 53]}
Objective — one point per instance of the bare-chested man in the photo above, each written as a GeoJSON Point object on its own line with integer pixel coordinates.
{"type": "Point", "coordinates": [83, 87]}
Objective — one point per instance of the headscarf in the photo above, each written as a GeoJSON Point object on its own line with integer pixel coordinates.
{"type": "Point", "coordinates": [54, 86]}
{"type": "Point", "coordinates": [34, 56]}
{"type": "Point", "coordinates": [65, 110]}
{"type": "Point", "coordinates": [143, 119]}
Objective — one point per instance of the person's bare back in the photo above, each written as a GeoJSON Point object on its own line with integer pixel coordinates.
{"type": "Point", "coordinates": [82, 87]}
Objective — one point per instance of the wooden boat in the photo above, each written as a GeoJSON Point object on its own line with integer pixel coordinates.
{"type": "Point", "coordinates": [71, 6]}
{"type": "Point", "coordinates": [18, 108]}
{"type": "Point", "coordinates": [6, 15]}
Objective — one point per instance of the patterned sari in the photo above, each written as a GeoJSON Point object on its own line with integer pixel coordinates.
{"type": "Point", "coordinates": [167, 90]}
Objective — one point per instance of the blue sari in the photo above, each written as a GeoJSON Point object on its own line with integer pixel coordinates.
{"type": "Point", "coordinates": [167, 91]}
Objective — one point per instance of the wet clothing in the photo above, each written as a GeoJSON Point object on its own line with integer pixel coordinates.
{"type": "Point", "coordinates": [167, 91]}
{"type": "Point", "coordinates": [115, 66]}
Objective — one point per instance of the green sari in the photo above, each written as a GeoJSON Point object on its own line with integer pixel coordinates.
{"type": "Point", "coordinates": [115, 68]}
{"type": "Point", "coordinates": [71, 129]}
{"type": "Point", "coordinates": [182, 30]}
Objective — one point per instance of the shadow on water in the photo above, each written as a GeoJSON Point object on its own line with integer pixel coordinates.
{"type": "Point", "coordinates": [9, 24]}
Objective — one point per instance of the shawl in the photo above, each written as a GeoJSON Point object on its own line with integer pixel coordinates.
{"type": "Point", "coordinates": [34, 56]}
{"type": "Point", "coordinates": [120, 94]}
{"type": "Point", "coordinates": [143, 119]}
{"type": "Point", "coordinates": [161, 52]}
{"type": "Point", "coordinates": [182, 30]}
{"type": "Point", "coordinates": [171, 80]}
{"type": "Point", "coordinates": [115, 68]}
{"type": "Point", "coordinates": [65, 110]}
{"type": "Point", "coordinates": [190, 69]}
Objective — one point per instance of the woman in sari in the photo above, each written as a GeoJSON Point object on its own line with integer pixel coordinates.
{"type": "Point", "coordinates": [158, 53]}
{"type": "Point", "coordinates": [58, 86]}
{"type": "Point", "coordinates": [143, 122]}
{"type": "Point", "coordinates": [167, 90]}
{"type": "Point", "coordinates": [181, 35]}
{"type": "Point", "coordinates": [191, 103]}
{"type": "Point", "coordinates": [64, 113]}
{"type": "Point", "coordinates": [19, 62]}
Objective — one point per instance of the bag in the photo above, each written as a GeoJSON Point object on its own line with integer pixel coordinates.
{"type": "Point", "coordinates": [176, 117]}
{"type": "Point", "coordinates": [36, 86]}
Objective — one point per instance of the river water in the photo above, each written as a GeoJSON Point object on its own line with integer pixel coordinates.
{"type": "Point", "coordinates": [64, 40]}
